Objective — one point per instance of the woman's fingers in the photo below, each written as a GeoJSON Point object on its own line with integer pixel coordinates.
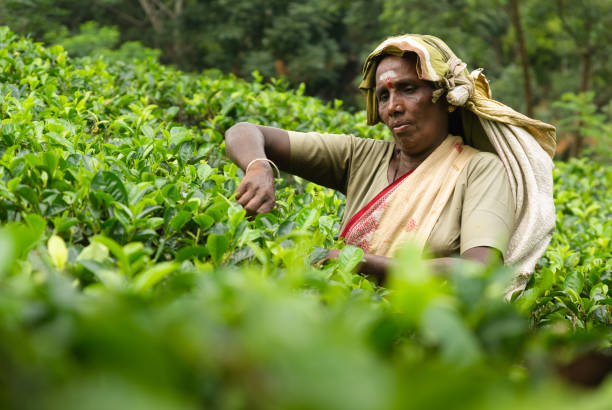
{"type": "Point", "coordinates": [266, 206]}
{"type": "Point", "coordinates": [258, 204]}
{"type": "Point", "coordinates": [256, 200]}
{"type": "Point", "coordinates": [256, 192]}
{"type": "Point", "coordinates": [331, 254]}
{"type": "Point", "coordinates": [241, 190]}
{"type": "Point", "coordinates": [245, 195]}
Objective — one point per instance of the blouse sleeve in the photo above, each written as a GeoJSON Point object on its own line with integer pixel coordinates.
{"type": "Point", "coordinates": [487, 216]}
{"type": "Point", "coordinates": [321, 158]}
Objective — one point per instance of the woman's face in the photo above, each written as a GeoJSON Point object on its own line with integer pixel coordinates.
{"type": "Point", "coordinates": [404, 104]}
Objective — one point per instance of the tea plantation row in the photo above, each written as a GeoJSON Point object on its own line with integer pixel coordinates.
{"type": "Point", "coordinates": [129, 276]}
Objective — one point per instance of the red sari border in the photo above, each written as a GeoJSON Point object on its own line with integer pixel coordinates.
{"type": "Point", "coordinates": [363, 210]}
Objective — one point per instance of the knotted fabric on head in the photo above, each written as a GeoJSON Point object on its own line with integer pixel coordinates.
{"type": "Point", "coordinates": [524, 145]}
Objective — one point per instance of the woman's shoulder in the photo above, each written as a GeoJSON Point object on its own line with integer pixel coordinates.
{"type": "Point", "coordinates": [315, 137]}
{"type": "Point", "coordinates": [372, 143]}
{"type": "Point", "coordinates": [482, 171]}
{"type": "Point", "coordinates": [369, 153]}
{"type": "Point", "coordinates": [485, 158]}
{"type": "Point", "coordinates": [484, 162]}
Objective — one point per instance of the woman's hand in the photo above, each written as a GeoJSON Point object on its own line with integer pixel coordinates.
{"type": "Point", "coordinates": [246, 142]}
{"type": "Point", "coordinates": [256, 190]}
{"type": "Point", "coordinates": [374, 267]}
{"type": "Point", "coordinates": [331, 254]}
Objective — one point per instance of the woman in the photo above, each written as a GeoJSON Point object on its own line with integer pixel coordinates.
{"type": "Point", "coordinates": [440, 190]}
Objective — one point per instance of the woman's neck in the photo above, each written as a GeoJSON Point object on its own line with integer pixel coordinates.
{"type": "Point", "coordinates": [406, 162]}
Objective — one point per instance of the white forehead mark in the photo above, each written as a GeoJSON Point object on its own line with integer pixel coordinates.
{"type": "Point", "coordinates": [387, 74]}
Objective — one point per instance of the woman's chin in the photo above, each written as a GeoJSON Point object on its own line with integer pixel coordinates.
{"type": "Point", "coordinates": [405, 142]}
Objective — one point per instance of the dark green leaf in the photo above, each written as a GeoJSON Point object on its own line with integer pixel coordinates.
{"type": "Point", "coordinates": [190, 252]}
{"type": "Point", "coordinates": [180, 219]}
{"type": "Point", "coordinates": [349, 258]}
{"type": "Point", "coordinates": [217, 245]}
{"type": "Point", "coordinates": [110, 184]}
{"type": "Point", "coordinates": [574, 281]}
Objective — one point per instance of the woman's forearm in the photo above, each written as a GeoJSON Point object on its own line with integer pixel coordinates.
{"type": "Point", "coordinates": [376, 267]}
{"type": "Point", "coordinates": [243, 143]}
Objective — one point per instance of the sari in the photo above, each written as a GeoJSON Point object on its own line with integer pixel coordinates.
{"type": "Point", "coordinates": [408, 209]}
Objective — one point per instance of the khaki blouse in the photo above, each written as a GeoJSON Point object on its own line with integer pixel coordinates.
{"type": "Point", "coordinates": [480, 211]}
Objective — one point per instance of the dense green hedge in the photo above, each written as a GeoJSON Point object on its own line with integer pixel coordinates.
{"type": "Point", "coordinates": [129, 276]}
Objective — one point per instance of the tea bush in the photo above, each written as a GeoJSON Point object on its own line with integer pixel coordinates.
{"type": "Point", "coordinates": [130, 277]}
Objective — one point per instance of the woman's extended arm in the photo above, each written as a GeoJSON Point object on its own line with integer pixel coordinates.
{"type": "Point", "coordinates": [376, 267]}
{"type": "Point", "coordinates": [245, 142]}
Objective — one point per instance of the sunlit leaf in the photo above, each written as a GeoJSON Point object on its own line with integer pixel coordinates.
{"type": "Point", "coordinates": [57, 251]}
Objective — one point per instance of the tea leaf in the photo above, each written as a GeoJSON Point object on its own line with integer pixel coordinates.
{"type": "Point", "coordinates": [57, 251]}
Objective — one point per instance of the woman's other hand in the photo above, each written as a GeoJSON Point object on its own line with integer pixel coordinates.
{"type": "Point", "coordinates": [331, 254]}
{"type": "Point", "coordinates": [256, 190]}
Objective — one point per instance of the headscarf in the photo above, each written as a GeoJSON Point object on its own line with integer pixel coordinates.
{"type": "Point", "coordinates": [524, 145]}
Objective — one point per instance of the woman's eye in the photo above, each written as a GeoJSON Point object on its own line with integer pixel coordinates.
{"type": "Point", "coordinates": [383, 97]}
{"type": "Point", "coordinates": [409, 89]}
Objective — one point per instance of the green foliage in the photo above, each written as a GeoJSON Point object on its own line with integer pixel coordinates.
{"type": "Point", "coordinates": [131, 50]}
{"type": "Point", "coordinates": [90, 40]}
{"type": "Point", "coordinates": [129, 276]}
{"type": "Point", "coordinates": [572, 285]}
{"type": "Point", "coordinates": [100, 41]}
{"type": "Point", "coordinates": [582, 118]}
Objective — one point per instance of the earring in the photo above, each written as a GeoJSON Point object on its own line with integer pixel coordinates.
{"type": "Point", "coordinates": [451, 108]}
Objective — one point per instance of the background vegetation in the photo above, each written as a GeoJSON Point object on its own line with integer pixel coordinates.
{"type": "Point", "coordinates": [130, 278]}
{"type": "Point", "coordinates": [548, 59]}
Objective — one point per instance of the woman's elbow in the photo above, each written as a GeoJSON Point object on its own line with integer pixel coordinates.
{"type": "Point", "coordinates": [236, 128]}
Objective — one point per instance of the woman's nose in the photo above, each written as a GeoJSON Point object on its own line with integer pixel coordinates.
{"type": "Point", "coordinates": [395, 105]}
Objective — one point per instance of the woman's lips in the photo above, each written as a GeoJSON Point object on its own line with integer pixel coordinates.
{"type": "Point", "coordinates": [401, 128]}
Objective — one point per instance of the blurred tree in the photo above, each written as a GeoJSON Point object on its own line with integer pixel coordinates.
{"type": "Point", "coordinates": [584, 120]}
{"type": "Point", "coordinates": [562, 34]}
{"type": "Point", "coordinates": [516, 22]}
{"type": "Point", "coordinates": [314, 41]}
{"type": "Point", "coordinates": [90, 39]}
{"type": "Point", "coordinates": [588, 24]}
{"type": "Point", "coordinates": [164, 14]}
{"type": "Point", "coordinates": [570, 44]}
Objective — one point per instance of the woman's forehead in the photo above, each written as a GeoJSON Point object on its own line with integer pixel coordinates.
{"type": "Point", "coordinates": [386, 75]}
{"type": "Point", "coordinates": [392, 67]}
